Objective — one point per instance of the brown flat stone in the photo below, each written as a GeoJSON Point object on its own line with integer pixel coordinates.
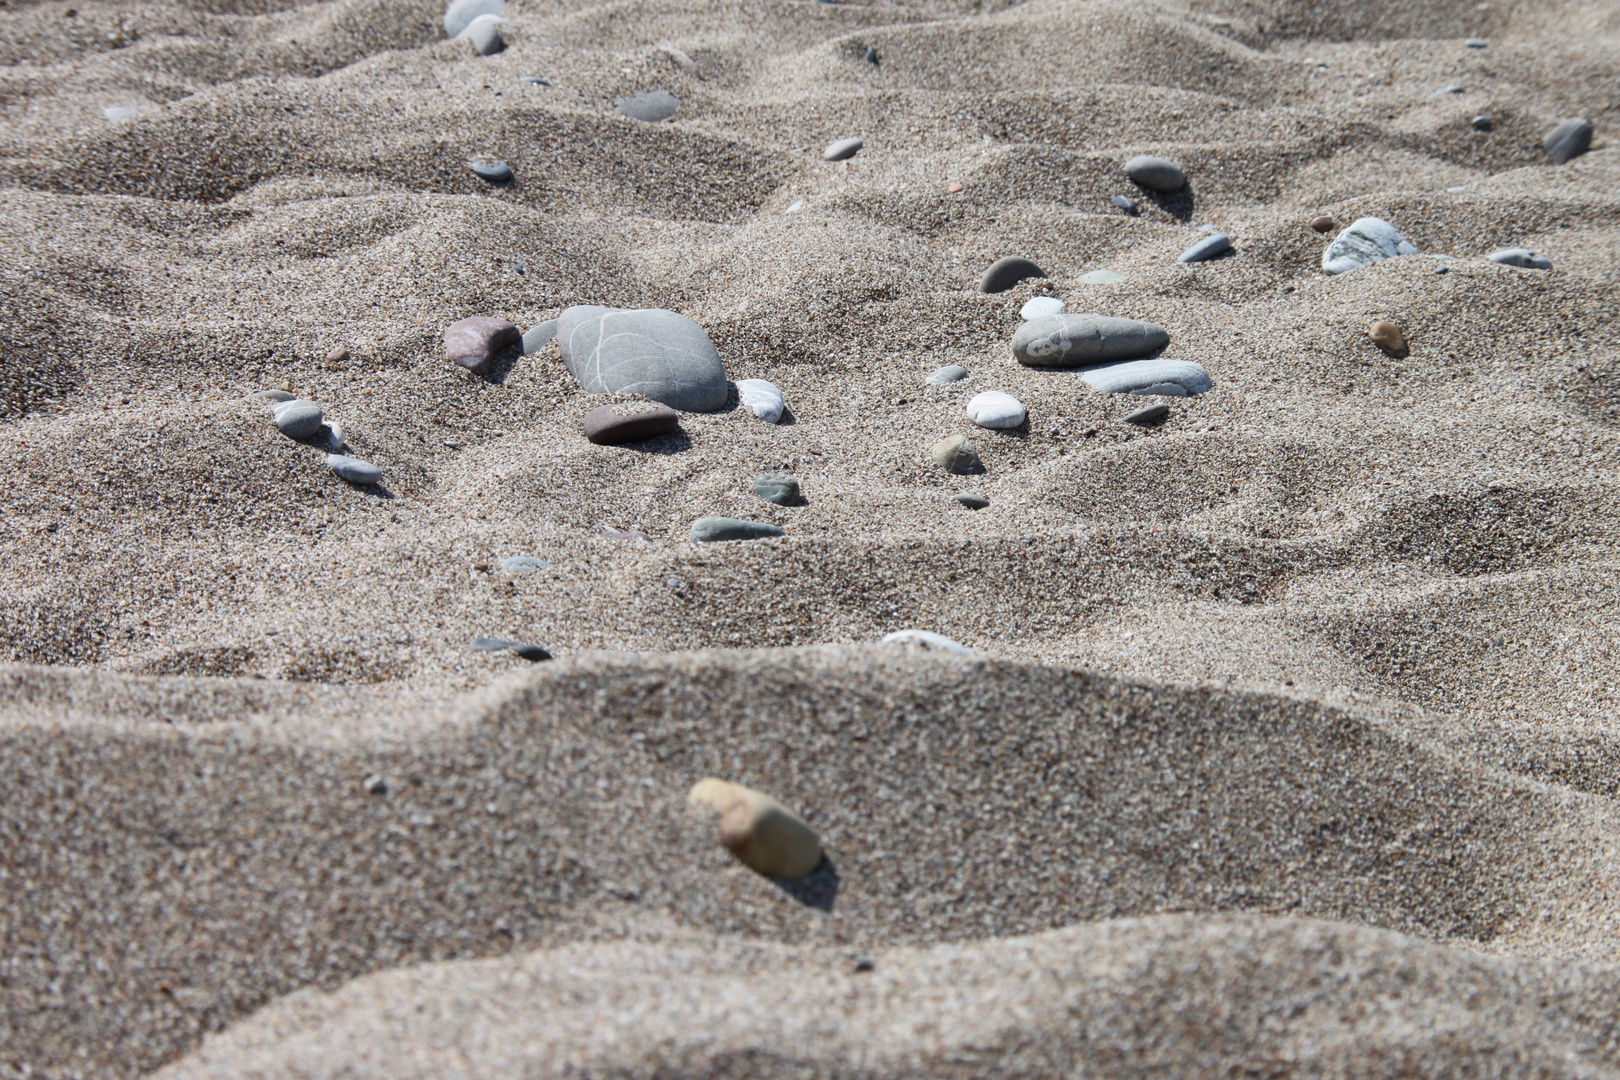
{"type": "Point", "coordinates": [1323, 224]}
{"type": "Point", "coordinates": [628, 422]}
{"type": "Point", "coordinates": [475, 342]}
{"type": "Point", "coordinates": [1388, 337]}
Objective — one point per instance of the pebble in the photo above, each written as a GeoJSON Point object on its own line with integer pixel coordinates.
{"type": "Point", "coordinates": [1039, 306]}
{"type": "Point", "coordinates": [629, 422]}
{"type": "Point", "coordinates": [955, 453]}
{"type": "Point", "coordinates": [496, 172]}
{"type": "Point", "coordinates": [335, 442]}
{"type": "Point", "coordinates": [762, 398]}
{"type": "Point", "coordinates": [353, 469]}
{"type": "Point", "coordinates": [973, 502]}
{"type": "Point", "coordinates": [948, 374]}
{"type": "Point", "coordinates": [1078, 340]}
{"type": "Point", "coordinates": [298, 419]}
{"type": "Point", "coordinates": [1523, 258]}
{"type": "Point", "coordinates": [523, 564]}
{"type": "Point", "coordinates": [1211, 247]}
{"type": "Point", "coordinates": [1102, 277]}
{"type": "Point", "coordinates": [273, 395]}
{"type": "Point", "coordinates": [706, 530]}
{"type": "Point", "coordinates": [1156, 173]}
{"type": "Point", "coordinates": [1003, 274]}
{"type": "Point", "coordinates": [650, 106]}
{"type": "Point", "coordinates": [842, 150]}
{"type": "Point", "coordinates": [1148, 377]}
{"type": "Point", "coordinates": [648, 351]}
{"type": "Point", "coordinates": [537, 337]}
{"type": "Point", "coordinates": [477, 341]}
{"type": "Point", "coordinates": [117, 114]}
{"type": "Point", "coordinates": [1388, 337]}
{"type": "Point", "coordinates": [779, 488]}
{"type": "Point", "coordinates": [993, 409]}
{"type": "Point", "coordinates": [926, 639]}
{"type": "Point", "coordinates": [871, 55]}
{"type": "Point", "coordinates": [338, 356]}
{"type": "Point", "coordinates": [1323, 224]}
{"type": "Point", "coordinates": [626, 534]}
{"type": "Point", "coordinates": [1482, 122]}
{"type": "Point", "coordinates": [459, 15]}
{"type": "Point", "coordinates": [495, 644]}
{"type": "Point", "coordinates": [485, 34]}
{"type": "Point", "coordinates": [1477, 43]}
{"type": "Point", "coordinates": [1443, 91]}
{"type": "Point", "coordinates": [1149, 415]}
{"type": "Point", "coordinates": [374, 785]}
{"type": "Point", "coordinates": [760, 832]}
{"type": "Point", "coordinates": [535, 80]}
{"type": "Point", "coordinates": [1365, 242]}
{"type": "Point", "coordinates": [1124, 202]}
{"type": "Point", "coordinates": [1569, 140]}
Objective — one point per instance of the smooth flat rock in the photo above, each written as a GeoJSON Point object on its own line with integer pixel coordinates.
{"type": "Point", "coordinates": [1003, 274]}
{"type": "Point", "coordinates": [1149, 415]}
{"type": "Point", "coordinates": [496, 172]}
{"type": "Point", "coordinates": [477, 341]}
{"type": "Point", "coordinates": [1323, 224]}
{"type": "Point", "coordinates": [955, 453]}
{"type": "Point", "coordinates": [459, 15]}
{"type": "Point", "coordinates": [948, 374]}
{"type": "Point", "coordinates": [760, 832]}
{"type": "Point", "coordinates": [1129, 376]}
{"type": "Point", "coordinates": [707, 530]}
{"type": "Point", "coordinates": [1038, 306]}
{"type": "Point", "coordinates": [1210, 247]}
{"type": "Point", "coordinates": [1156, 173]}
{"type": "Point", "coordinates": [1078, 340]}
{"type": "Point", "coordinates": [1124, 202]}
{"type": "Point", "coordinates": [629, 422]}
{"type": "Point", "coordinates": [762, 398]}
{"type": "Point", "coordinates": [298, 419]}
{"type": "Point", "coordinates": [994, 409]}
{"type": "Point", "coordinates": [272, 395]}
{"type": "Point", "coordinates": [1366, 241]}
{"type": "Point", "coordinates": [1569, 140]}
{"type": "Point", "coordinates": [1523, 258]}
{"type": "Point", "coordinates": [842, 149]}
{"type": "Point", "coordinates": [485, 34]}
{"type": "Point", "coordinates": [650, 106]}
{"type": "Point", "coordinates": [972, 502]}
{"type": "Point", "coordinates": [518, 648]}
{"type": "Point", "coordinates": [1101, 277]}
{"type": "Point", "coordinates": [926, 639]}
{"type": "Point", "coordinates": [779, 488]}
{"type": "Point", "coordinates": [536, 337]}
{"type": "Point", "coordinates": [353, 469]}
{"type": "Point", "coordinates": [523, 564]}
{"type": "Point", "coordinates": [648, 351]}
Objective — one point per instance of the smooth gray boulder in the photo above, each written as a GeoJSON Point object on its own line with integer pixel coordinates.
{"type": "Point", "coordinates": [459, 15]}
{"type": "Point", "coordinates": [1366, 241]}
{"type": "Point", "coordinates": [708, 530]}
{"type": "Point", "coordinates": [1210, 247]}
{"type": "Point", "coordinates": [1569, 140]}
{"type": "Point", "coordinates": [1156, 173]}
{"type": "Point", "coordinates": [648, 351]}
{"type": "Point", "coordinates": [1523, 258]}
{"type": "Point", "coordinates": [1149, 377]}
{"type": "Point", "coordinates": [1078, 340]}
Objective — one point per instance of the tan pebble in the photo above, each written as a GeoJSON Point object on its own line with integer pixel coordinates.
{"type": "Point", "coordinates": [1322, 224]}
{"type": "Point", "coordinates": [954, 188]}
{"type": "Point", "coordinates": [1387, 336]}
{"type": "Point", "coordinates": [339, 355]}
{"type": "Point", "coordinates": [286, 384]}
{"type": "Point", "coordinates": [955, 454]}
{"type": "Point", "coordinates": [763, 834]}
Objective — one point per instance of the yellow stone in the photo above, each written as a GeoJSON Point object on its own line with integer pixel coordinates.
{"type": "Point", "coordinates": [1387, 336]}
{"type": "Point", "coordinates": [763, 834]}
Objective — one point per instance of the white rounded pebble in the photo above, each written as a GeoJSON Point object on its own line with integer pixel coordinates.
{"type": "Point", "coordinates": [1041, 305]}
{"type": "Point", "coordinates": [353, 470]}
{"type": "Point", "coordinates": [1366, 241]}
{"type": "Point", "coordinates": [485, 34]}
{"type": "Point", "coordinates": [993, 409]}
{"type": "Point", "coordinates": [460, 14]}
{"type": "Point", "coordinates": [927, 639]}
{"type": "Point", "coordinates": [842, 149]}
{"type": "Point", "coordinates": [762, 397]}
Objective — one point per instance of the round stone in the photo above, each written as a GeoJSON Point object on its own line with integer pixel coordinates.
{"type": "Point", "coordinates": [948, 374]}
{"type": "Point", "coordinates": [1211, 247]}
{"type": "Point", "coordinates": [1149, 415]}
{"type": "Point", "coordinates": [778, 488]}
{"type": "Point", "coordinates": [1079, 340]}
{"type": "Point", "coordinates": [518, 648]}
{"type": "Point", "coordinates": [926, 639]}
{"type": "Point", "coordinates": [955, 453]}
{"type": "Point", "coordinates": [1388, 337]}
{"type": "Point", "coordinates": [1569, 140]}
{"type": "Point", "coordinates": [1156, 173]}
{"type": "Point", "coordinates": [485, 34]}
{"type": "Point", "coordinates": [353, 469]}
{"type": "Point", "coordinates": [973, 502]}
{"type": "Point", "coordinates": [496, 172]}
{"type": "Point", "coordinates": [298, 419]}
{"type": "Point", "coordinates": [993, 409]}
{"type": "Point", "coordinates": [1365, 242]}
{"type": "Point", "coordinates": [1037, 306]}
{"type": "Point", "coordinates": [1323, 224]}
{"type": "Point", "coordinates": [475, 343]}
{"type": "Point", "coordinates": [842, 149]}
{"type": "Point", "coordinates": [1003, 274]}
{"type": "Point", "coordinates": [762, 398]}
{"type": "Point", "coordinates": [1482, 122]}
{"type": "Point", "coordinates": [760, 832]}
{"type": "Point", "coordinates": [1102, 277]}
{"type": "Point", "coordinates": [459, 15]}
{"type": "Point", "coordinates": [649, 106]}
{"type": "Point", "coordinates": [708, 530]}
{"type": "Point", "coordinates": [629, 422]}
{"type": "Point", "coordinates": [1523, 258]}
{"type": "Point", "coordinates": [523, 564]}
{"type": "Point", "coordinates": [1124, 202]}
{"type": "Point", "coordinates": [652, 352]}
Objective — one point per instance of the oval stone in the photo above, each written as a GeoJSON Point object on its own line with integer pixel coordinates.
{"type": "Point", "coordinates": [955, 453]}
{"type": "Point", "coordinates": [353, 469]}
{"type": "Point", "coordinates": [973, 502]}
{"type": "Point", "coordinates": [1102, 277]}
{"type": "Point", "coordinates": [1523, 258]}
{"type": "Point", "coordinates": [707, 530]}
{"type": "Point", "coordinates": [842, 149]}
{"type": "Point", "coordinates": [778, 488]}
{"type": "Point", "coordinates": [760, 832]}
{"type": "Point", "coordinates": [1323, 224]}
{"type": "Point", "coordinates": [948, 374]}
{"type": "Point", "coordinates": [496, 172]}
{"type": "Point", "coordinates": [485, 34]}
{"type": "Point", "coordinates": [460, 14]}
{"type": "Point", "coordinates": [651, 352]}
{"type": "Point", "coordinates": [628, 422]}
{"type": "Point", "coordinates": [1156, 173]}
{"type": "Point", "coordinates": [476, 342]}
{"type": "Point", "coordinates": [926, 639]}
{"type": "Point", "coordinates": [1124, 202]}
{"type": "Point", "coordinates": [1129, 376]}
{"type": "Point", "coordinates": [1388, 337]}
{"type": "Point", "coordinates": [1003, 274]}
{"type": "Point", "coordinates": [1210, 247]}
{"type": "Point", "coordinates": [649, 106]}
{"type": "Point", "coordinates": [1149, 415]}
{"type": "Point", "coordinates": [993, 409]}
{"type": "Point", "coordinates": [1365, 242]}
{"type": "Point", "coordinates": [763, 399]}
{"type": "Point", "coordinates": [1569, 140]}
{"type": "Point", "coordinates": [1078, 340]}
{"type": "Point", "coordinates": [298, 419]}
{"type": "Point", "coordinates": [1038, 306]}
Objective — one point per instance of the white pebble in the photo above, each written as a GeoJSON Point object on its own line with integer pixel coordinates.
{"type": "Point", "coordinates": [1041, 305]}
{"type": "Point", "coordinates": [993, 409]}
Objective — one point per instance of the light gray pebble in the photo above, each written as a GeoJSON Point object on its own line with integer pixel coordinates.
{"type": "Point", "coordinates": [116, 114]}
{"type": "Point", "coordinates": [1444, 90]}
{"type": "Point", "coordinates": [1124, 202]}
{"type": "Point", "coordinates": [842, 149]}
{"type": "Point", "coordinates": [353, 469]}
{"type": "Point", "coordinates": [485, 34]}
{"type": "Point", "coordinates": [298, 419]}
{"type": "Point", "coordinates": [927, 639]}
{"type": "Point", "coordinates": [1568, 141]}
{"type": "Point", "coordinates": [1156, 173]}
{"type": "Point", "coordinates": [523, 564]}
{"type": "Point", "coordinates": [948, 374]}
{"type": "Point", "coordinates": [1366, 241]}
{"type": "Point", "coordinates": [1211, 247]}
{"type": "Point", "coordinates": [496, 172]}
{"type": "Point", "coordinates": [272, 395]}
{"type": "Point", "coordinates": [1523, 258]}
{"type": "Point", "coordinates": [762, 398]}
{"type": "Point", "coordinates": [537, 336]}
{"type": "Point", "coordinates": [1078, 340]}
{"type": "Point", "coordinates": [1477, 43]}
{"type": "Point", "coordinates": [460, 14]}
{"type": "Point", "coordinates": [649, 106]}
{"type": "Point", "coordinates": [1129, 376]}
{"type": "Point", "coordinates": [706, 530]}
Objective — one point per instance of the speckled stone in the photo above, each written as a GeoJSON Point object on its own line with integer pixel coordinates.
{"type": "Point", "coordinates": [476, 342]}
{"type": "Point", "coordinates": [955, 453]}
{"type": "Point", "coordinates": [1523, 258]}
{"type": "Point", "coordinates": [1210, 247]}
{"type": "Point", "coordinates": [760, 832]}
{"type": "Point", "coordinates": [842, 149]}
{"type": "Point", "coordinates": [1003, 274]}
{"type": "Point", "coordinates": [1568, 141]}
{"type": "Point", "coordinates": [1365, 242]}
{"type": "Point", "coordinates": [649, 106]}
{"type": "Point", "coordinates": [996, 410]}
{"type": "Point", "coordinates": [1388, 337]}
{"type": "Point", "coordinates": [518, 648]}
{"type": "Point", "coordinates": [1156, 173]}
{"type": "Point", "coordinates": [353, 469]}
{"type": "Point", "coordinates": [298, 419]}
{"type": "Point", "coordinates": [1078, 340]}
{"type": "Point", "coordinates": [707, 530]}
{"type": "Point", "coordinates": [948, 374]}
{"type": "Point", "coordinates": [629, 422]}
{"type": "Point", "coordinates": [655, 353]}
{"type": "Point", "coordinates": [778, 488]}
{"type": "Point", "coordinates": [1149, 415]}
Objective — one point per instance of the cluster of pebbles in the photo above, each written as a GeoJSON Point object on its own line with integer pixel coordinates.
{"type": "Point", "coordinates": [305, 422]}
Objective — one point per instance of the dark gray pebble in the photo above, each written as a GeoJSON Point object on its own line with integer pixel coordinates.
{"type": "Point", "coordinates": [298, 419]}
{"type": "Point", "coordinates": [1003, 274]}
{"type": "Point", "coordinates": [1482, 122]}
{"type": "Point", "coordinates": [1568, 141]}
{"type": "Point", "coordinates": [496, 172]}
{"type": "Point", "coordinates": [495, 644]}
{"type": "Point", "coordinates": [1210, 247]}
{"type": "Point", "coordinates": [973, 502]}
{"type": "Point", "coordinates": [871, 55]}
{"type": "Point", "coordinates": [1147, 417]}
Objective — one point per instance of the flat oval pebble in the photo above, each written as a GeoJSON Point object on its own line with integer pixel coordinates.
{"type": "Point", "coordinates": [1211, 247]}
{"type": "Point", "coordinates": [648, 351]}
{"type": "Point", "coordinates": [1078, 340]}
{"type": "Point", "coordinates": [273, 395]}
{"type": "Point", "coordinates": [477, 341]}
{"type": "Point", "coordinates": [518, 648]}
{"type": "Point", "coordinates": [842, 149]}
{"type": "Point", "coordinates": [994, 409]}
{"type": "Point", "coordinates": [1037, 306]}
{"type": "Point", "coordinates": [1124, 202]}
{"type": "Point", "coordinates": [760, 832]}
{"type": "Point", "coordinates": [973, 502]}
{"type": "Point", "coordinates": [762, 398]}
{"type": "Point", "coordinates": [629, 422]}
{"type": "Point", "coordinates": [1003, 274]}
{"type": "Point", "coordinates": [779, 488]}
{"type": "Point", "coordinates": [298, 419]}
{"type": "Point", "coordinates": [1149, 415]}
{"type": "Point", "coordinates": [1569, 140]}
{"type": "Point", "coordinates": [1388, 337]}
{"type": "Point", "coordinates": [707, 530]}
{"type": "Point", "coordinates": [650, 106]}
{"type": "Point", "coordinates": [536, 337]}
{"type": "Point", "coordinates": [926, 639]}
{"type": "Point", "coordinates": [1102, 277]}
{"type": "Point", "coordinates": [1366, 241]}
{"type": "Point", "coordinates": [460, 14]}
{"type": "Point", "coordinates": [353, 469]}
{"type": "Point", "coordinates": [1156, 173]}
{"type": "Point", "coordinates": [1482, 122]}
{"type": "Point", "coordinates": [1523, 258]}
{"type": "Point", "coordinates": [1129, 376]}
{"type": "Point", "coordinates": [1323, 224]}
{"type": "Point", "coordinates": [485, 34]}
{"type": "Point", "coordinates": [954, 453]}
{"type": "Point", "coordinates": [523, 564]}
{"type": "Point", "coordinates": [496, 172]}
{"type": "Point", "coordinates": [948, 374]}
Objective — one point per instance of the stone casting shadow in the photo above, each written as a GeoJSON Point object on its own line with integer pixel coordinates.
{"type": "Point", "coordinates": [503, 365]}
{"type": "Point", "coordinates": [817, 889]}
{"type": "Point", "coordinates": [1178, 204]}
{"type": "Point", "coordinates": [675, 442]}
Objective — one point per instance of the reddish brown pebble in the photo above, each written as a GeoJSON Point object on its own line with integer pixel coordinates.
{"type": "Point", "coordinates": [1322, 224]}
{"type": "Point", "coordinates": [475, 342]}
{"type": "Point", "coordinates": [1387, 336]}
{"type": "Point", "coordinates": [954, 188]}
{"type": "Point", "coordinates": [634, 421]}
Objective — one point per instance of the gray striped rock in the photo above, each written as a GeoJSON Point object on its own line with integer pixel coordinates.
{"type": "Point", "coordinates": [762, 398]}
{"type": "Point", "coordinates": [707, 530]}
{"type": "Point", "coordinates": [1145, 377]}
{"type": "Point", "coordinates": [459, 15]}
{"type": "Point", "coordinates": [298, 419]}
{"type": "Point", "coordinates": [1365, 242]}
{"type": "Point", "coordinates": [1078, 340]}
{"type": "Point", "coordinates": [648, 351]}
{"type": "Point", "coordinates": [353, 470]}
{"type": "Point", "coordinates": [1567, 141]}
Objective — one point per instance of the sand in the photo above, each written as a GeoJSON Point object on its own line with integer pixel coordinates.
{"type": "Point", "coordinates": [1288, 742]}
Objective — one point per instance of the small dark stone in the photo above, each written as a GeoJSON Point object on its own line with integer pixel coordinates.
{"type": "Point", "coordinates": [1323, 224]}
{"type": "Point", "coordinates": [973, 502]}
{"type": "Point", "coordinates": [375, 785]}
{"type": "Point", "coordinates": [863, 965]}
{"type": "Point", "coordinates": [475, 342]}
{"type": "Point", "coordinates": [1005, 273]}
{"type": "Point", "coordinates": [871, 55]}
{"type": "Point", "coordinates": [1124, 202]}
{"type": "Point", "coordinates": [628, 422]}
{"type": "Point", "coordinates": [1147, 417]}
{"type": "Point", "coordinates": [777, 488]}
{"type": "Point", "coordinates": [494, 644]}
{"type": "Point", "coordinates": [1482, 122]}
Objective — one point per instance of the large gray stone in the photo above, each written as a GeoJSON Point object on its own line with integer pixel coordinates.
{"type": "Point", "coordinates": [655, 353]}
{"type": "Point", "coordinates": [1078, 340]}
{"type": "Point", "coordinates": [298, 419]}
{"type": "Point", "coordinates": [1159, 376]}
{"type": "Point", "coordinates": [1365, 242]}
{"type": "Point", "coordinates": [1569, 140]}
{"type": "Point", "coordinates": [1156, 173]}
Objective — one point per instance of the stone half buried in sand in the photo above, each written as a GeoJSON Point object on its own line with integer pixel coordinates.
{"type": "Point", "coordinates": [629, 422]}
{"type": "Point", "coordinates": [485, 34]}
{"type": "Point", "coordinates": [762, 398]}
{"type": "Point", "coordinates": [476, 342]}
{"type": "Point", "coordinates": [709, 530]}
{"type": "Point", "coordinates": [459, 15]}
{"type": "Point", "coordinates": [655, 353]}
{"type": "Point", "coordinates": [1156, 377]}
{"type": "Point", "coordinates": [649, 106]}
{"type": "Point", "coordinates": [1078, 340]}
{"type": "Point", "coordinates": [994, 409]}
{"type": "Point", "coordinates": [1367, 241]}
{"type": "Point", "coordinates": [927, 639]}
{"type": "Point", "coordinates": [764, 835]}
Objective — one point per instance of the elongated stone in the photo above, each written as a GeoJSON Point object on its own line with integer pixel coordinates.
{"type": "Point", "coordinates": [1567, 141]}
{"type": "Point", "coordinates": [927, 639]}
{"type": "Point", "coordinates": [496, 172]}
{"type": "Point", "coordinates": [536, 337]}
{"type": "Point", "coordinates": [1148, 376]}
{"type": "Point", "coordinates": [760, 832]}
{"type": "Point", "coordinates": [1003, 274]}
{"type": "Point", "coordinates": [1079, 340]}
{"type": "Point", "coordinates": [1149, 415]}
{"type": "Point", "coordinates": [1210, 247]}
{"type": "Point", "coordinates": [1523, 258]}
{"type": "Point", "coordinates": [629, 422]}
{"type": "Point", "coordinates": [708, 530]}
{"type": "Point", "coordinates": [1156, 173]}
{"type": "Point", "coordinates": [649, 106]}
{"type": "Point", "coordinates": [948, 374]}
{"type": "Point", "coordinates": [842, 150]}
{"type": "Point", "coordinates": [353, 469]}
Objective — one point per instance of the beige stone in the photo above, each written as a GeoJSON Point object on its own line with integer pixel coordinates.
{"type": "Point", "coordinates": [1388, 336]}
{"type": "Point", "coordinates": [955, 454]}
{"type": "Point", "coordinates": [763, 834]}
